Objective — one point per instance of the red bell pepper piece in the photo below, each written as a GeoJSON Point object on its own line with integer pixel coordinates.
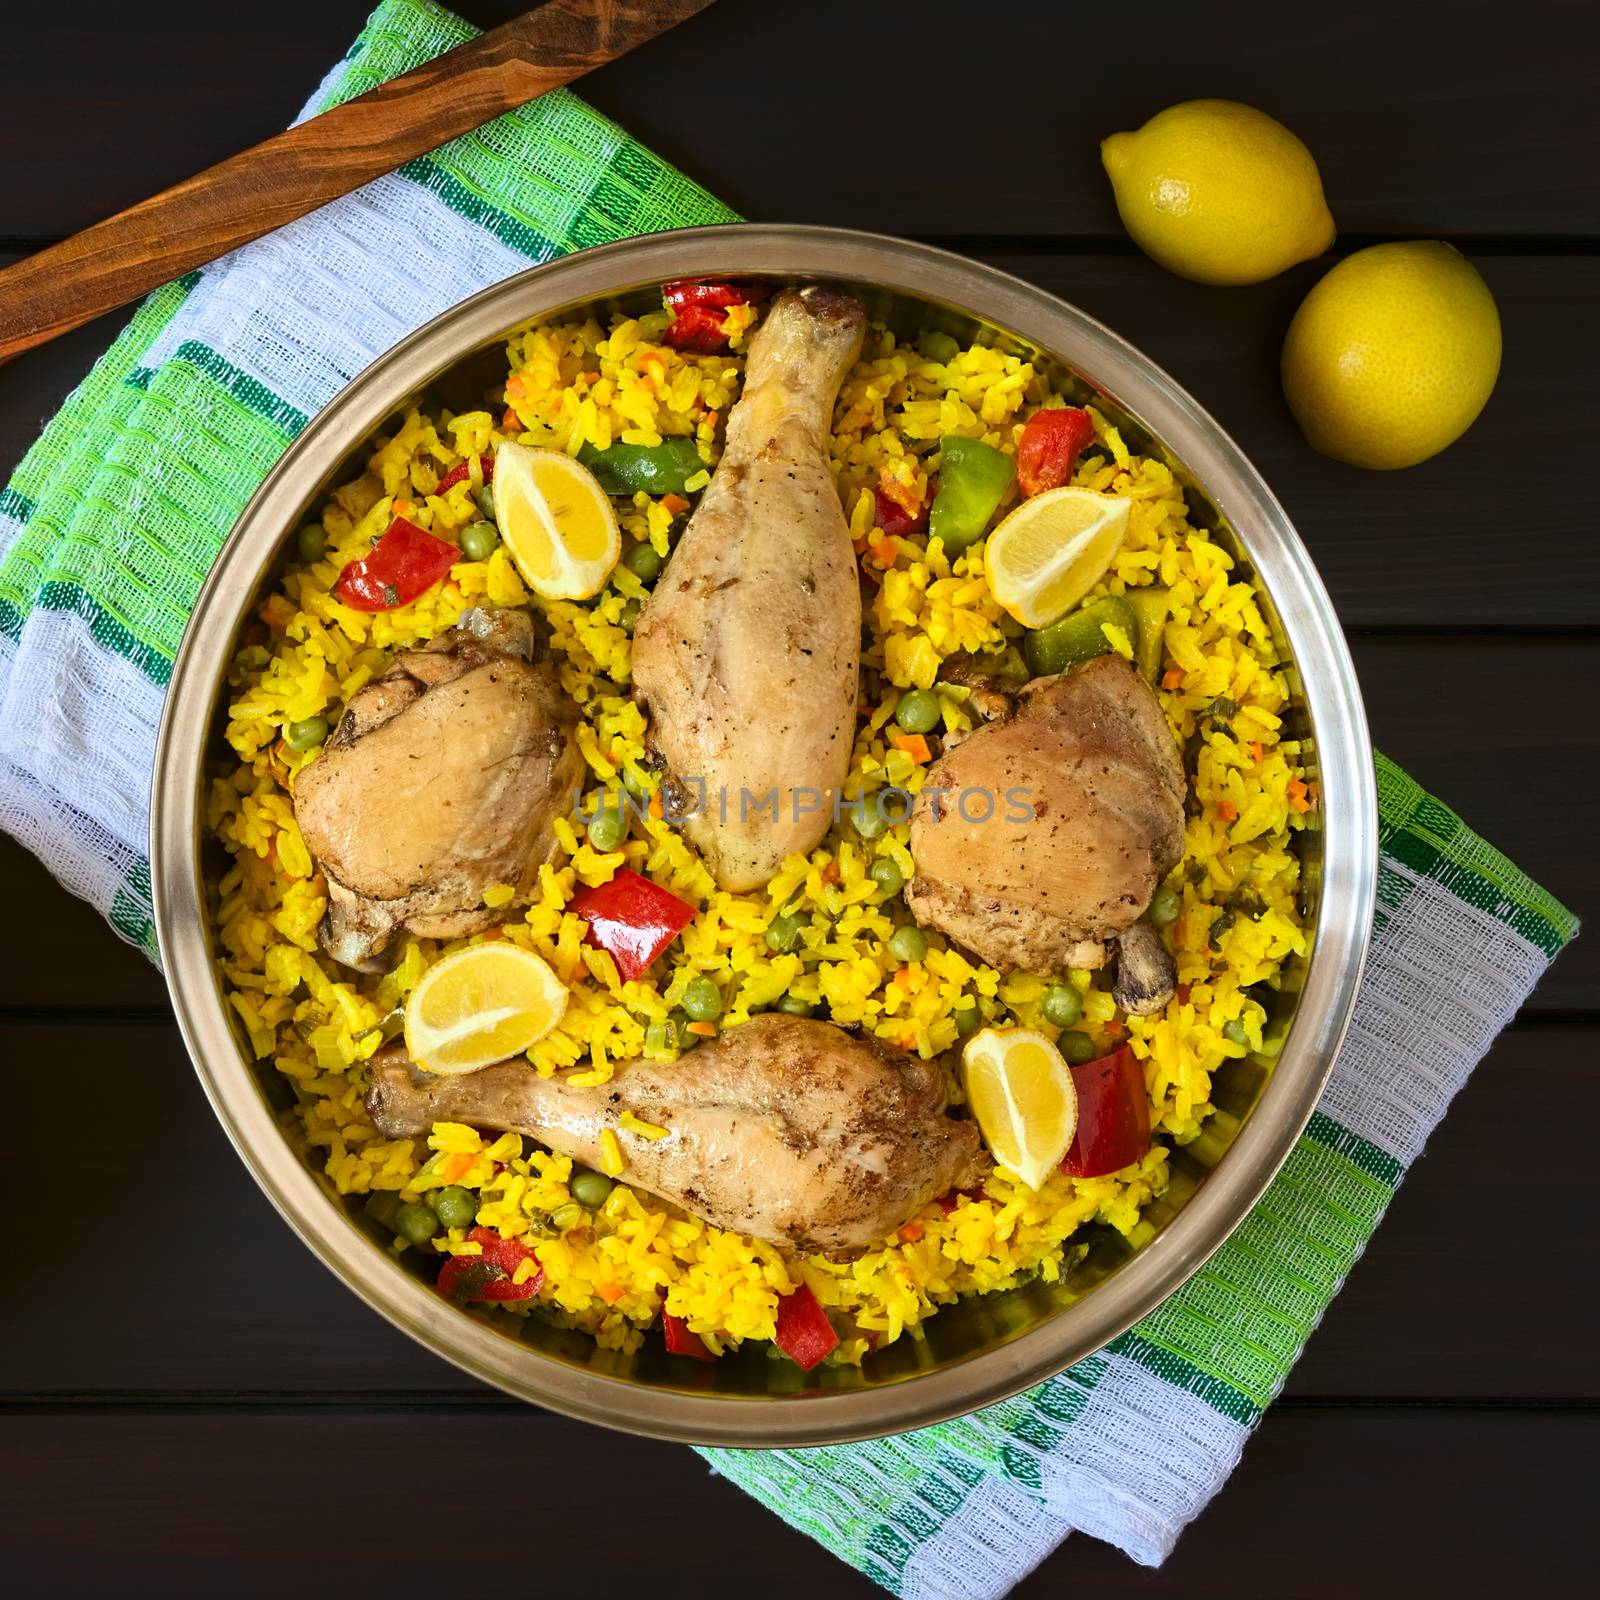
{"type": "Point", "coordinates": [1048, 451]}
{"type": "Point", "coordinates": [489, 1276]}
{"type": "Point", "coordinates": [462, 471]}
{"type": "Point", "coordinates": [685, 292]}
{"type": "Point", "coordinates": [697, 313]}
{"type": "Point", "coordinates": [697, 329]}
{"type": "Point", "coordinates": [681, 1341]}
{"type": "Point", "coordinates": [632, 919]}
{"type": "Point", "coordinates": [951, 1198]}
{"type": "Point", "coordinates": [804, 1333]}
{"type": "Point", "coordinates": [894, 519]}
{"type": "Point", "coordinates": [405, 562]}
{"type": "Point", "coordinates": [1113, 1116]}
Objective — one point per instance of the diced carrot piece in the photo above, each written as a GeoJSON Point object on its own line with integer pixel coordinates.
{"type": "Point", "coordinates": [510, 420]}
{"type": "Point", "coordinates": [830, 873]}
{"type": "Point", "coordinates": [885, 550]}
{"type": "Point", "coordinates": [514, 386]}
{"type": "Point", "coordinates": [1259, 754]}
{"type": "Point", "coordinates": [610, 1292]}
{"type": "Point", "coordinates": [1227, 810]}
{"type": "Point", "coordinates": [915, 746]}
{"type": "Point", "coordinates": [903, 978]}
{"type": "Point", "coordinates": [456, 1166]}
{"type": "Point", "coordinates": [911, 1232]}
{"type": "Point", "coordinates": [706, 1030]}
{"type": "Point", "coordinates": [675, 503]}
{"type": "Point", "coordinates": [1172, 677]}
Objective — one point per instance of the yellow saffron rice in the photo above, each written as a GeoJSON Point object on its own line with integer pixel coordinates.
{"type": "Point", "coordinates": [611, 1270]}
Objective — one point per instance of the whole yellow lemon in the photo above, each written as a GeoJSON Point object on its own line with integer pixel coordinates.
{"type": "Point", "coordinates": [1218, 192]}
{"type": "Point", "coordinates": [1392, 355]}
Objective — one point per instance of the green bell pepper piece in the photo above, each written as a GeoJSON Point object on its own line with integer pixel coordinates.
{"type": "Point", "coordinates": [1150, 605]}
{"type": "Point", "coordinates": [973, 479]}
{"type": "Point", "coordinates": [1078, 636]}
{"type": "Point", "coordinates": [625, 469]}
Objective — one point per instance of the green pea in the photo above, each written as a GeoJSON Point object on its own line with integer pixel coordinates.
{"type": "Point", "coordinates": [567, 1217]}
{"type": "Point", "coordinates": [478, 540]}
{"type": "Point", "coordinates": [608, 827]}
{"type": "Point", "coordinates": [783, 933]}
{"type": "Point", "coordinates": [1062, 1006]}
{"type": "Point", "coordinates": [1075, 1048]}
{"type": "Point", "coordinates": [455, 1207]}
{"type": "Point", "coordinates": [643, 562]}
{"type": "Point", "coordinates": [1233, 1032]}
{"type": "Point", "coordinates": [968, 1020]}
{"type": "Point", "coordinates": [483, 497]}
{"type": "Point", "coordinates": [415, 1224]}
{"type": "Point", "coordinates": [869, 819]}
{"type": "Point", "coordinates": [936, 346]}
{"type": "Point", "coordinates": [311, 542]}
{"type": "Point", "coordinates": [887, 875]}
{"type": "Point", "coordinates": [918, 711]}
{"type": "Point", "coordinates": [792, 1005]}
{"type": "Point", "coordinates": [309, 734]}
{"type": "Point", "coordinates": [589, 1188]}
{"type": "Point", "coordinates": [630, 615]}
{"type": "Point", "coordinates": [909, 943]}
{"type": "Point", "coordinates": [702, 1001]}
{"type": "Point", "coordinates": [1165, 904]}
{"type": "Point", "coordinates": [383, 1207]}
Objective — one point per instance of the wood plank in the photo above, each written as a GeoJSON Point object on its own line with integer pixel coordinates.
{"type": "Point", "coordinates": [204, 1291]}
{"type": "Point", "coordinates": [1430, 546]}
{"type": "Point", "coordinates": [1423, 122]}
{"type": "Point", "coordinates": [1503, 730]}
{"type": "Point", "coordinates": [189, 1504]}
{"type": "Point", "coordinates": [60, 952]}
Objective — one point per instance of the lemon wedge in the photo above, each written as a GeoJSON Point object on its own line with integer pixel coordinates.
{"type": "Point", "coordinates": [483, 1004]}
{"type": "Point", "coordinates": [1052, 550]}
{"type": "Point", "coordinates": [556, 521]}
{"type": "Point", "coordinates": [1021, 1091]}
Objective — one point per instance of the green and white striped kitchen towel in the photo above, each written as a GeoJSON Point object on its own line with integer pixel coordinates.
{"type": "Point", "coordinates": [107, 531]}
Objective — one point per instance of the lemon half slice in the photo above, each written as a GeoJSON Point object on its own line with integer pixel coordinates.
{"type": "Point", "coordinates": [483, 1004]}
{"type": "Point", "coordinates": [1052, 550]}
{"type": "Point", "coordinates": [1021, 1091]}
{"type": "Point", "coordinates": [556, 521]}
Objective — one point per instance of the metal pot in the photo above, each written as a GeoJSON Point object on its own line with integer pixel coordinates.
{"type": "Point", "coordinates": [983, 1348]}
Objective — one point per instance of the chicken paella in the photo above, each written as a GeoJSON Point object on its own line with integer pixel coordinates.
{"type": "Point", "coordinates": [761, 830]}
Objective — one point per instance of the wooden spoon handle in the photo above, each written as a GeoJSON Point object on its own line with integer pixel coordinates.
{"type": "Point", "coordinates": [251, 194]}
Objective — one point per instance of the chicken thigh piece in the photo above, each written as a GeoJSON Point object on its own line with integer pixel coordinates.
{"type": "Point", "coordinates": [785, 1129]}
{"type": "Point", "coordinates": [748, 652]}
{"type": "Point", "coordinates": [443, 777]}
{"type": "Point", "coordinates": [1079, 788]}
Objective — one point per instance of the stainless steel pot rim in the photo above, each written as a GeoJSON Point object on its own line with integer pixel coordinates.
{"type": "Point", "coordinates": [1349, 810]}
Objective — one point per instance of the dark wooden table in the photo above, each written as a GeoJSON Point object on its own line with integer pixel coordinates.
{"type": "Point", "coordinates": [191, 1402]}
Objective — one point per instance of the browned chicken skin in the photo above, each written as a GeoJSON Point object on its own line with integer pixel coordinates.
{"type": "Point", "coordinates": [443, 777]}
{"type": "Point", "coordinates": [1087, 790]}
{"type": "Point", "coordinates": [785, 1129]}
{"type": "Point", "coordinates": [748, 652]}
